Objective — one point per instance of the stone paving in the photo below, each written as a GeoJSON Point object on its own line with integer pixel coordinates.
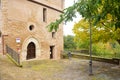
{"type": "Point", "coordinates": [74, 69]}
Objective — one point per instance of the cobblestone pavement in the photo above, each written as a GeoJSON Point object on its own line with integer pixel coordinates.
{"type": "Point", "coordinates": [74, 69]}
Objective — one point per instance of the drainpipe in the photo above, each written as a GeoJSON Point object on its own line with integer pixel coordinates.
{"type": "Point", "coordinates": [3, 42]}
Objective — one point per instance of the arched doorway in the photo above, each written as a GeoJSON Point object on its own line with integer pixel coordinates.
{"type": "Point", "coordinates": [31, 53]}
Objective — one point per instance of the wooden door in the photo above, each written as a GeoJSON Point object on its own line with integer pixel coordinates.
{"type": "Point", "coordinates": [31, 51]}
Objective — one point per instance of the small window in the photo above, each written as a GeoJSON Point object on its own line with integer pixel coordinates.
{"type": "Point", "coordinates": [0, 33]}
{"type": "Point", "coordinates": [0, 4]}
{"type": "Point", "coordinates": [53, 34]}
{"type": "Point", "coordinates": [44, 14]}
{"type": "Point", "coordinates": [31, 27]}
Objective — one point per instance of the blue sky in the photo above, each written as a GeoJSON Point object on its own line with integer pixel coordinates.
{"type": "Point", "coordinates": [69, 25]}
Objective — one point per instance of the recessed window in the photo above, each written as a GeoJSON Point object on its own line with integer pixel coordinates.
{"type": "Point", "coordinates": [53, 34]}
{"type": "Point", "coordinates": [0, 4]}
{"type": "Point", "coordinates": [44, 14]}
{"type": "Point", "coordinates": [31, 27]}
{"type": "Point", "coordinates": [0, 33]}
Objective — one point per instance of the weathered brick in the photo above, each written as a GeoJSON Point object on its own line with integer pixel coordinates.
{"type": "Point", "coordinates": [18, 15]}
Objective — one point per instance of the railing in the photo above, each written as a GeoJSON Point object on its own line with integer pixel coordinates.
{"type": "Point", "coordinates": [13, 54]}
{"type": "Point", "coordinates": [76, 51]}
{"type": "Point", "coordinates": [64, 54]}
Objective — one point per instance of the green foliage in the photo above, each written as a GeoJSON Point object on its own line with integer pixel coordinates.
{"type": "Point", "coordinates": [102, 50]}
{"type": "Point", "coordinates": [82, 44]}
{"type": "Point", "coordinates": [103, 14]}
{"type": "Point", "coordinates": [106, 50]}
{"type": "Point", "coordinates": [100, 33]}
{"type": "Point", "coordinates": [100, 39]}
{"type": "Point", "coordinates": [69, 43]}
{"type": "Point", "coordinates": [116, 49]}
{"type": "Point", "coordinates": [95, 10]}
{"type": "Point", "coordinates": [81, 32]}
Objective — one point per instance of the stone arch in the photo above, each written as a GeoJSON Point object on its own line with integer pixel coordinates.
{"type": "Point", "coordinates": [25, 45]}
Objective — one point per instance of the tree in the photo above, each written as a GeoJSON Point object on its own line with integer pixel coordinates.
{"type": "Point", "coordinates": [96, 13]}
{"type": "Point", "coordinates": [81, 31]}
{"type": "Point", "coordinates": [100, 33]}
{"type": "Point", "coordinates": [69, 43]}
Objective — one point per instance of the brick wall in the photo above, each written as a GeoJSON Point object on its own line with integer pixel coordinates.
{"type": "Point", "coordinates": [20, 15]}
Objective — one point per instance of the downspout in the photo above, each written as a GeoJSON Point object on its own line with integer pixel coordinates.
{"type": "Point", "coordinates": [3, 44]}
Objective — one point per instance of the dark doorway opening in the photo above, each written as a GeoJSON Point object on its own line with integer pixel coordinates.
{"type": "Point", "coordinates": [51, 52]}
{"type": "Point", "coordinates": [31, 51]}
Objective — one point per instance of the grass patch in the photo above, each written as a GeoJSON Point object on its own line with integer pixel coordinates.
{"type": "Point", "coordinates": [47, 68]}
{"type": "Point", "coordinates": [45, 65]}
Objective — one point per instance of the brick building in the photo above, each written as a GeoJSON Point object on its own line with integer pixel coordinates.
{"type": "Point", "coordinates": [23, 28]}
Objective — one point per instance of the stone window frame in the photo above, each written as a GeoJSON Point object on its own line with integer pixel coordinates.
{"type": "Point", "coordinates": [44, 14]}
{"type": "Point", "coordinates": [31, 24]}
{"type": "Point", "coordinates": [53, 34]}
{"type": "Point", "coordinates": [31, 27]}
{"type": "Point", "coordinates": [0, 34]}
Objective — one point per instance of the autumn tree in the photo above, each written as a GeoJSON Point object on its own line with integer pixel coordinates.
{"type": "Point", "coordinates": [100, 33]}
{"type": "Point", "coordinates": [81, 31]}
